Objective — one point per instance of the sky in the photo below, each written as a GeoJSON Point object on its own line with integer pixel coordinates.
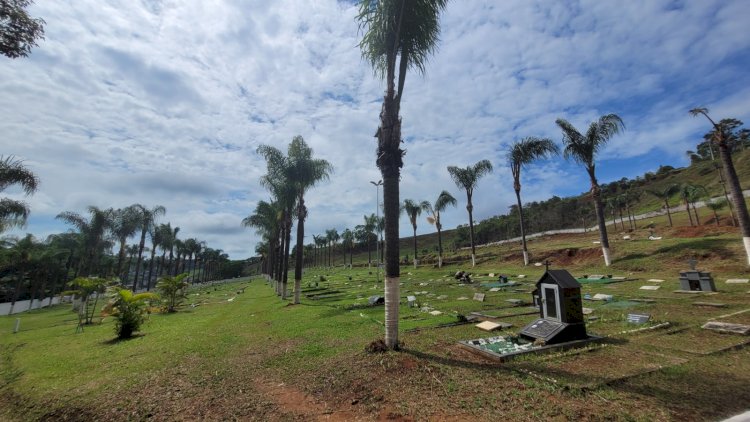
{"type": "Point", "coordinates": [165, 102]}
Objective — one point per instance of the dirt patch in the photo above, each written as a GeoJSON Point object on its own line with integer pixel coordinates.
{"type": "Point", "coordinates": [686, 232]}
{"type": "Point", "coordinates": [300, 404]}
{"type": "Point", "coordinates": [568, 256]}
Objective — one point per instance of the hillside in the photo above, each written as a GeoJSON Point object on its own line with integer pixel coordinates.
{"type": "Point", "coordinates": [546, 215]}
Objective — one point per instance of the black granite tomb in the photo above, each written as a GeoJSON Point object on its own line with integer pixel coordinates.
{"type": "Point", "coordinates": [560, 309]}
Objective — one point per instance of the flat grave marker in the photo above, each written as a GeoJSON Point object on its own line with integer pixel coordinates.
{"type": "Point", "coordinates": [638, 318]}
{"type": "Point", "coordinates": [463, 298]}
{"type": "Point", "coordinates": [515, 301]}
{"type": "Point", "coordinates": [649, 287]}
{"type": "Point", "coordinates": [655, 280]}
{"type": "Point", "coordinates": [738, 281]}
{"type": "Point", "coordinates": [491, 326]}
{"type": "Point", "coordinates": [495, 289]}
{"type": "Point", "coordinates": [727, 328]}
{"type": "Point", "coordinates": [435, 313]}
{"type": "Point", "coordinates": [602, 296]}
{"type": "Point", "coordinates": [587, 311]}
{"type": "Point", "coordinates": [711, 304]}
{"type": "Point", "coordinates": [479, 297]}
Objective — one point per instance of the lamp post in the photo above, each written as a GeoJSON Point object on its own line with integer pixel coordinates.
{"type": "Point", "coordinates": [377, 236]}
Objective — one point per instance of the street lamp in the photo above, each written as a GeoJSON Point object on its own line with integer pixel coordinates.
{"type": "Point", "coordinates": [377, 236]}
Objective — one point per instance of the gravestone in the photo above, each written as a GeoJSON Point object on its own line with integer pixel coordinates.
{"type": "Point", "coordinates": [411, 301]}
{"type": "Point", "coordinates": [650, 287]}
{"type": "Point", "coordinates": [560, 309]}
{"type": "Point", "coordinates": [375, 300]}
{"type": "Point", "coordinates": [694, 280]}
{"type": "Point", "coordinates": [638, 318]}
{"type": "Point", "coordinates": [602, 296]}
{"type": "Point", "coordinates": [491, 326]}
{"type": "Point", "coordinates": [479, 297]}
{"type": "Point", "coordinates": [737, 280]}
{"type": "Point", "coordinates": [435, 313]}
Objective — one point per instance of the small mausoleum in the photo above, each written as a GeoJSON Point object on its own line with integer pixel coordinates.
{"type": "Point", "coordinates": [558, 295]}
{"type": "Point", "coordinates": [694, 280]}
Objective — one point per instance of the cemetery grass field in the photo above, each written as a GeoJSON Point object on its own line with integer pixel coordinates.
{"type": "Point", "coordinates": [250, 356]}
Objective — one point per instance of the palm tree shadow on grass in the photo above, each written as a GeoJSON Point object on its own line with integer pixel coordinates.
{"type": "Point", "coordinates": [117, 340]}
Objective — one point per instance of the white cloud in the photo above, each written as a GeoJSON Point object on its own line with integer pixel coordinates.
{"type": "Point", "coordinates": [165, 102]}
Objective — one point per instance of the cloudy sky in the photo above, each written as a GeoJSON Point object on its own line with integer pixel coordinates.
{"type": "Point", "coordinates": [166, 101]}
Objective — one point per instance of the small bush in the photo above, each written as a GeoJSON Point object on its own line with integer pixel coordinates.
{"type": "Point", "coordinates": [129, 310]}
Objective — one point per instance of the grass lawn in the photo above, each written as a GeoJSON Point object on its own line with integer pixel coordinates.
{"type": "Point", "coordinates": [250, 356]}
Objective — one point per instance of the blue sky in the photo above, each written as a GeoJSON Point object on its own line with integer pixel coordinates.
{"type": "Point", "coordinates": [165, 102]}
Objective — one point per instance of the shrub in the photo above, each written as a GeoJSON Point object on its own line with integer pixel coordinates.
{"type": "Point", "coordinates": [128, 310]}
{"type": "Point", "coordinates": [173, 291]}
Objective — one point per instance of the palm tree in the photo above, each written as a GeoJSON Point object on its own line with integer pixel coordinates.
{"type": "Point", "coordinates": [348, 240]}
{"type": "Point", "coordinates": [278, 182]}
{"type": "Point", "coordinates": [156, 236]}
{"type": "Point", "coordinates": [332, 236]}
{"type": "Point", "coordinates": [94, 232]}
{"type": "Point", "coordinates": [413, 210]}
{"type": "Point", "coordinates": [582, 148]}
{"type": "Point", "coordinates": [125, 223]}
{"type": "Point", "coordinates": [441, 203]}
{"type": "Point", "coordinates": [12, 172]}
{"type": "Point", "coordinates": [665, 194]}
{"type": "Point", "coordinates": [716, 206]}
{"type": "Point", "coordinates": [688, 193]}
{"type": "Point", "coordinates": [406, 32]}
{"type": "Point", "coordinates": [303, 172]}
{"type": "Point", "coordinates": [521, 154]}
{"type": "Point", "coordinates": [147, 219]}
{"type": "Point", "coordinates": [721, 135]}
{"type": "Point", "coordinates": [21, 253]}
{"type": "Point", "coordinates": [467, 179]}
{"type": "Point", "coordinates": [265, 221]}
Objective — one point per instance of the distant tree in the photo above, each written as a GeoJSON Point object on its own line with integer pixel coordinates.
{"type": "Point", "coordinates": [348, 240]}
{"type": "Point", "coordinates": [467, 179]}
{"type": "Point", "coordinates": [665, 194]}
{"type": "Point", "coordinates": [18, 31]}
{"type": "Point", "coordinates": [582, 148]}
{"type": "Point", "coordinates": [125, 223]}
{"type": "Point", "coordinates": [521, 154]}
{"type": "Point", "coordinates": [94, 232]}
{"type": "Point", "coordinates": [716, 206]}
{"type": "Point", "coordinates": [722, 135]}
{"type": "Point", "coordinates": [441, 203]}
{"type": "Point", "coordinates": [12, 172]}
{"type": "Point", "coordinates": [413, 210]}
{"type": "Point", "coordinates": [147, 220]}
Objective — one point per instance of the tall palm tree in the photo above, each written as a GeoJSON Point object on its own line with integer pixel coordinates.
{"type": "Point", "coordinates": [467, 179]}
{"type": "Point", "coordinates": [125, 222]}
{"type": "Point", "coordinates": [94, 232]}
{"type": "Point", "coordinates": [157, 237]}
{"type": "Point", "coordinates": [721, 135]}
{"type": "Point", "coordinates": [687, 193]}
{"type": "Point", "coordinates": [348, 240]}
{"type": "Point", "coordinates": [12, 172]}
{"type": "Point", "coordinates": [303, 172]}
{"type": "Point", "coordinates": [332, 236]}
{"type": "Point", "coordinates": [413, 210]}
{"type": "Point", "coordinates": [582, 148]}
{"type": "Point", "coordinates": [147, 217]}
{"type": "Point", "coordinates": [665, 194]}
{"type": "Point", "coordinates": [521, 154]}
{"type": "Point", "coordinates": [21, 253]}
{"type": "Point", "coordinates": [441, 203]}
{"type": "Point", "coordinates": [278, 182]}
{"type": "Point", "coordinates": [265, 222]}
{"type": "Point", "coordinates": [403, 33]}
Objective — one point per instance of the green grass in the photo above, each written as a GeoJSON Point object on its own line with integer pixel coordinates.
{"type": "Point", "coordinates": [257, 357]}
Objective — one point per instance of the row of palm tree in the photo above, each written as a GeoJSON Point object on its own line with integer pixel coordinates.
{"type": "Point", "coordinates": [289, 177]}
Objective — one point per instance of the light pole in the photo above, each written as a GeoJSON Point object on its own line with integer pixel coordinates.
{"type": "Point", "coordinates": [377, 236]}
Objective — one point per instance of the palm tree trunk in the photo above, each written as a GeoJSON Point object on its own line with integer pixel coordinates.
{"type": "Point", "coordinates": [140, 256]}
{"type": "Point", "coordinates": [300, 248]}
{"type": "Point", "coordinates": [523, 231]}
{"type": "Point", "coordinates": [603, 238]}
{"type": "Point", "coordinates": [669, 214]}
{"type": "Point", "coordinates": [737, 198]}
{"type": "Point", "coordinates": [716, 217]}
{"type": "Point", "coordinates": [695, 211]}
{"type": "Point", "coordinates": [121, 258]}
{"type": "Point", "coordinates": [440, 247]}
{"type": "Point", "coordinates": [415, 247]}
{"type": "Point", "coordinates": [287, 242]}
{"type": "Point", "coordinates": [687, 208]}
{"type": "Point", "coordinates": [470, 208]}
{"type": "Point", "coordinates": [151, 269]}
{"type": "Point", "coordinates": [392, 269]}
